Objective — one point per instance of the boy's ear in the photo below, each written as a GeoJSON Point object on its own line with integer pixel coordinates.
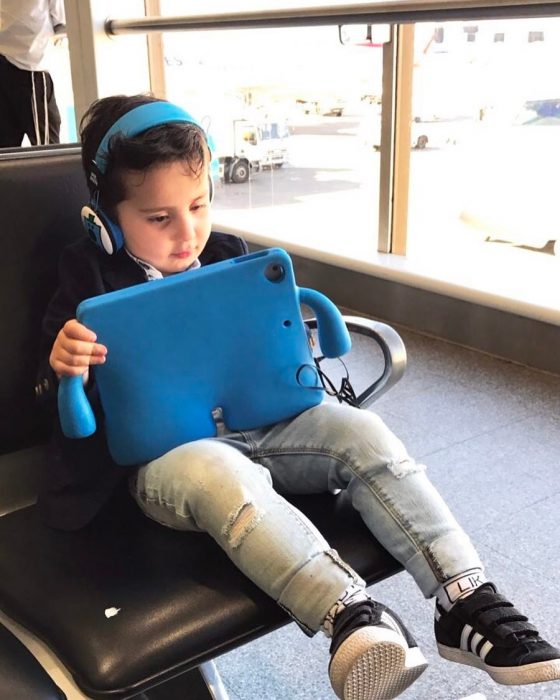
{"type": "Point", "coordinates": [101, 229]}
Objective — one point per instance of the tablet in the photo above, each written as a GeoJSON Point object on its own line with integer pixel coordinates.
{"type": "Point", "coordinates": [227, 336]}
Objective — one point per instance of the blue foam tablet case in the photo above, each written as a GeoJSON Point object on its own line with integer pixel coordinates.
{"type": "Point", "coordinates": [228, 335]}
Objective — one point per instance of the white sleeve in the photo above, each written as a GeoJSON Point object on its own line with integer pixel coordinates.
{"type": "Point", "coordinates": [56, 12]}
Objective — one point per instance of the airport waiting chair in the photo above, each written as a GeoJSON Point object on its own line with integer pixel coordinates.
{"type": "Point", "coordinates": [131, 609]}
{"type": "Point", "coordinates": [21, 676]}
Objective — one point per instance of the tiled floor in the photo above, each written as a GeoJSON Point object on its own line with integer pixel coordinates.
{"type": "Point", "coordinates": [489, 432]}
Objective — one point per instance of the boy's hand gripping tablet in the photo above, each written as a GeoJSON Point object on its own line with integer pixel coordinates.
{"type": "Point", "coordinates": [229, 335]}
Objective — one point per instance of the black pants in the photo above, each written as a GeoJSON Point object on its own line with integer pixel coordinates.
{"type": "Point", "coordinates": [22, 109]}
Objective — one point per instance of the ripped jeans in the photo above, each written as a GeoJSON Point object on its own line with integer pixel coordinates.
{"type": "Point", "coordinates": [231, 487]}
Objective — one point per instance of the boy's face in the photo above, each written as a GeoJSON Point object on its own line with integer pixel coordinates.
{"type": "Point", "coordinates": [165, 217]}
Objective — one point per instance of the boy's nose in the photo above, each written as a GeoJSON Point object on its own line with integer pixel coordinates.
{"type": "Point", "coordinates": [186, 228]}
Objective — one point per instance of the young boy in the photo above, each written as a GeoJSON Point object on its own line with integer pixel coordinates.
{"type": "Point", "coordinates": [150, 183]}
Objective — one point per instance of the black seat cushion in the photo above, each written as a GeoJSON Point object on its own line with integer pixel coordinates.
{"type": "Point", "coordinates": [178, 599]}
{"type": "Point", "coordinates": [21, 676]}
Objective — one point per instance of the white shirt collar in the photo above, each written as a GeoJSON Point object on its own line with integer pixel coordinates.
{"type": "Point", "coordinates": [151, 272]}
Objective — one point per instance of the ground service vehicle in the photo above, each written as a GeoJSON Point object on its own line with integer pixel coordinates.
{"type": "Point", "coordinates": [243, 145]}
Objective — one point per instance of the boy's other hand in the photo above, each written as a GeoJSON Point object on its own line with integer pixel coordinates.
{"type": "Point", "coordinates": [75, 349]}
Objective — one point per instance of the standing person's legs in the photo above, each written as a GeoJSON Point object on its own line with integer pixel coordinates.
{"type": "Point", "coordinates": [45, 128]}
{"type": "Point", "coordinates": [13, 82]}
{"type": "Point", "coordinates": [27, 106]}
{"type": "Point", "coordinates": [53, 113]}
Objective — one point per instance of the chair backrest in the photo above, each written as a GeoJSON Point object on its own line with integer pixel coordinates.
{"type": "Point", "coordinates": [41, 195]}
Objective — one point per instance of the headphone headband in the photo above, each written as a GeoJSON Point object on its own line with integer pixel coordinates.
{"type": "Point", "coordinates": [141, 119]}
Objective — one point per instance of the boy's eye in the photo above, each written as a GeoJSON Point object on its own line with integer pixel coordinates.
{"type": "Point", "coordinates": [159, 219]}
{"type": "Point", "coordinates": [200, 205]}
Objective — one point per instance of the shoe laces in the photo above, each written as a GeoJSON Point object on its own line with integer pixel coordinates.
{"type": "Point", "coordinates": [496, 618]}
{"type": "Point", "coordinates": [356, 615]}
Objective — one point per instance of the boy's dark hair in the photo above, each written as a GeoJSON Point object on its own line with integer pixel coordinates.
{"type": "Point", "coordinates": [166, 143]}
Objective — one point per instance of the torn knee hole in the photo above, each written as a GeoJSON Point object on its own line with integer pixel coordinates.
{"type": "Point", "coordinates": [241, 523]}
{"type": "Point", "coordinates": [404, 467]}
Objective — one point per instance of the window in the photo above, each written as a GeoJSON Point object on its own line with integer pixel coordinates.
{"type": "Point", "coordinates": [484, 146]}
{"type": "Point", "coordinates": [295, 116]}
{"type": "Point", "coordinates": [483, 194]}
{"type": "Point", "coordinates": [59, 67]}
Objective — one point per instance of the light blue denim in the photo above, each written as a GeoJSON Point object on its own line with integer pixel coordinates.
{"type": "Point", "coordinates": [231, 486]}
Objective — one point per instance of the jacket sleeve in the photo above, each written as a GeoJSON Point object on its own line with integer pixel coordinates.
{"type": "Point", "coordinates": [79, 278]}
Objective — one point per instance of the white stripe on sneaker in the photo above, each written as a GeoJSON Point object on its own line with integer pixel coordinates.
{"type": "Point", "coordinates": [486, 647]}
{"type": "Point", "coordinates": [471, 641]}
{"type": "Point", "coordinates": [465, 634]}
{"type": "Point", "coordinates": [475, 640]}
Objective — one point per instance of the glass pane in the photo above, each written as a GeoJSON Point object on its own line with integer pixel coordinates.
{"type": "Point", "coordinates": [483, 193]}
{"type": "Point", "coordinates": [293, 113]}
{"type": "Point", "coordinates": [59, 68]}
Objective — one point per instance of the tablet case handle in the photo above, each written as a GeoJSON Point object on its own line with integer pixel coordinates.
{"type": "Point", "coordinates": [334, 337]}
{"type": "Point", "coordinates": [74, 410]}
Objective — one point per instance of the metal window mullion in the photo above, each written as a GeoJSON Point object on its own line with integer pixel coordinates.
{"type": "Point", "coordinates": [387, 143]}
{"type": "Point", "coordinates": [396, 118]}
{"type": "Point", "coordinates": [156, 57]}
{"type": "Point", "coordinates": [83, 67]}
{"type": "Point", "coordinates": [403, 138]}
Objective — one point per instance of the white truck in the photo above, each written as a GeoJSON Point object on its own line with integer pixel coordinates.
{"type": "Point", "coordinates": [243, 146]}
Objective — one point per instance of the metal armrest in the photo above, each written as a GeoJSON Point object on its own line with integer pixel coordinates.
{"type": "Point", "coordinates": [392, 347]}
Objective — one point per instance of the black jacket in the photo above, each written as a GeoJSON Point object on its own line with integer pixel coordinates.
{"type": "Point", "coordinates": [81, 475]}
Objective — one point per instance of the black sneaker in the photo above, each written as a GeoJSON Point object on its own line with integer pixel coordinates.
{"type": "Point", "coordinates": [485, 630]}
{"type": "Point", "coordinates": [373, 656]}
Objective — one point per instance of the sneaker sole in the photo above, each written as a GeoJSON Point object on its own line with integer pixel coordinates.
{"type": "Point", "coordinates": [374, 663]}
{"type": "Point", "coordinates": [509, 675]}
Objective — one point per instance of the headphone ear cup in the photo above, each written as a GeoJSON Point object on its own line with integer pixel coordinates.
{"type": "Point", "coordinates": [103, 232]}
{"type": "Point", "coordinates": [210, 188]}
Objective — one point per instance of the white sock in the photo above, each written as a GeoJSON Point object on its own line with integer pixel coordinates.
{"type": "Point", "coordinates": [353, 594]}
{"type": "Point", "coordinates": [459, 586]}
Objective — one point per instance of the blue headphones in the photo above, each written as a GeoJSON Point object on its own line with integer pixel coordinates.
{"type": "Point", "coordinates": [101, 229]}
